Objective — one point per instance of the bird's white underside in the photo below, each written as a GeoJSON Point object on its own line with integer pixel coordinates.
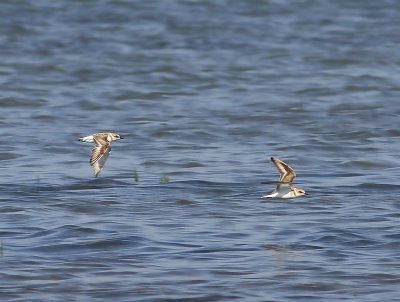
{"type": "Point", "coordinates": [281, 191]}
{"type": "Point", "coordinates": [88, 139]}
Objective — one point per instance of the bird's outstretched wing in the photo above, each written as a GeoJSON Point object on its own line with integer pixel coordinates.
{"type": "Point", "coordinates": [287, 174]}
{"type": "Point", "coordinates": [99, 154]}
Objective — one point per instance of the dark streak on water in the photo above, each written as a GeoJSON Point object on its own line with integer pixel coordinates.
{"type": "Point", "coordinates": [204, 92]}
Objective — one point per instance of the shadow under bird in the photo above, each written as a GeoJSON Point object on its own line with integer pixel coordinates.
{"type": "Point", "coordinates": [102, 148]}
{"type": "Point", "coordinates": [285, 187]}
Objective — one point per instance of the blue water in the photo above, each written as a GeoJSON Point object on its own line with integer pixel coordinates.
{"type": "Point", "coordinates": [204, 92]}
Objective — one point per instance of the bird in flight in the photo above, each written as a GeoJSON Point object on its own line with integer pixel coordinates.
{"type": "Point", "coordinates": [101, 150]}
{"type": "Point", "coordinates": [285, 187]}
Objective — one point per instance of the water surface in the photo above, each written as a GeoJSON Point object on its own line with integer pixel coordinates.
{"type": "Point", "coordinates": [204, 93]}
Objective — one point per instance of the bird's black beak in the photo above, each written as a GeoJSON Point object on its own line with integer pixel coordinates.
{"type": "Point", "coordinates": [121, 137]}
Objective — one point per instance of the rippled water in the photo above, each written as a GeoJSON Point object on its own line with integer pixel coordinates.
{"type": "Point", "coordinates": [204, 93]}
